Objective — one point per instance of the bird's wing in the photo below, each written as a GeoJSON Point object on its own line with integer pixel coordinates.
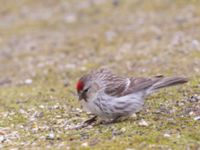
{"type": "Point", "coordinates": [131, 85]}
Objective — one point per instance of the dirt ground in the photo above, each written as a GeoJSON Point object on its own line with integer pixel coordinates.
{"type": "Point", "coordinates": [45, 46]}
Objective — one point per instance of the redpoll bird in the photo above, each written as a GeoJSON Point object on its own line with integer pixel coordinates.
{"type": "Point", "coordinates": [111, 97]}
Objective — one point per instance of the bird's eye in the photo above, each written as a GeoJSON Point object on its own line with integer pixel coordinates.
{"type": "Point", "coordinates": [86, 90]}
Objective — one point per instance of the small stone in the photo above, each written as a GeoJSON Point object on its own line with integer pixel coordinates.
{"type": "Point", "coordinates": [181, 104]}
{"type": "Point", "coordinates": [2, 139]}
{"type": "Point", "coordinates": [84, 144]}
{"type": "Point", "coordinates": [197, 118]}
{"type": "Point", "coordinates": [70, 66]}
{"type": "Point", "coordinates": [79, 110]}
{"type": "Point", "coordinates": [58, 116]}
{"type": "Point", "coordinates": [143, 123]}
{"type": "Point", "coordinates": [123, 129]}
{"type": "Point", "coordinates": [70, 18]}
{"type": "Point", "coordinates": [167, 135]}
{"type": "Point", "coordinates": [50, 136]}
{"type": "Point", "coordinates": [65, 83]}
{"type": "Point", "coordinates": [83, 68]}
{"type": "Point", "coordinates": [194, 98]}
{"type": "Point", "coordinates": [41, 106]}
{"type": "Point", "coordinates": [191, 113]}
{"type": "Point", "coordinates": [21, 94]}
{"type": "Point", "coordinates": [57, 106]}
{"type": "Point", "coordinates": [28, 81]}
{"type": "Point", "coordinates": [129, 149]}
{"type": "Point", "coordinates": [178, 136]}
{"type": "Point", "coordinates": [195, 44]}
{"type": "Point", "coordinates": [22, 111]}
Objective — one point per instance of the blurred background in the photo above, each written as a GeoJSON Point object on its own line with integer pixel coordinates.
{"type": "Point", "coordinates": [68, 37]}
{"type": "Point", "coordinates": [45, 46]}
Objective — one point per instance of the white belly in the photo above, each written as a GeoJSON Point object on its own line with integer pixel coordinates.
{"type": "Point", "coordinates": [108, 107]}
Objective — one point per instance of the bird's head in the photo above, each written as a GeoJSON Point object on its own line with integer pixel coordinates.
{"type": "Point", "coordinates": [87, 87]}
{"type": "Point", "coordinates": [83, 86]}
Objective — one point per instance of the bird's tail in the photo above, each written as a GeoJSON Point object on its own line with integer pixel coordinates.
{"type": "Point", "coordinates": [169, 81]}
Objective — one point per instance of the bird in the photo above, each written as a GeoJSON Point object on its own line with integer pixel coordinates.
{"type": "Point", "coordinates": [110, 96]}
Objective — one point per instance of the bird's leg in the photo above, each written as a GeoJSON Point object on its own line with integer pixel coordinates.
{"type": "Point", "coordinates": [90, 121]}
{"type": "Point", "coordinates": [85, 123]}
{"type": "Point", "coordinates": [116, 119]}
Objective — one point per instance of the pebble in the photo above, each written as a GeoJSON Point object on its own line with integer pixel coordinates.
{"type": "Point", "coordinates": [22, 111]}
{"type": "Point", "coordinates": [123, 129]}
{"type": "Point", "coordinates": [2, 138]}
{"type": "Point", "coordinates": [167, 135]}
{"type": "Point", "coordinates": [191, 113]}
{"type": "Point", "coordinates": [143, 123]}
{"type": "Point", "coordinates": [41, 106]}
{"type": "Point", "coordinates": [28, 81]}
{"type": "Point", "coordinates": [79, 110]}
{"type": "Point", "coordinates": [129, 149]}
{"type": "Point", "coordinates": [84, 144]}
{"type": "Point", "coordinates": [65, 83]}
{"type": "Point", "coordinates": [70, 18]}
{"type": "Point", "coordinates": [195, 44]}
{"type": "Point", "coordinates": [51, 136]}
{"type": "Point", "coordinates": [194, 98]}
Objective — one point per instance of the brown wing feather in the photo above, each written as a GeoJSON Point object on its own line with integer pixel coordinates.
{"type": "Point", "coordinates": [114, 84]}
{"type": "Point", "coordinates": [141, 84]}
{"type": "Point", "coordinates": [136, 84]}
{"type": "Point", "coordinates": [116, 90]}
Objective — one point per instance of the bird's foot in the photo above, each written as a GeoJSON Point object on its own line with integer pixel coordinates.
{"type": "Point", "coordinates": [85, 123]}
{"type": "Point", "coordinates": [90, 121]}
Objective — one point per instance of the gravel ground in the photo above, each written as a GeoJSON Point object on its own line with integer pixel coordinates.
{"type": "Point", "coordinates": [45, 46]}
